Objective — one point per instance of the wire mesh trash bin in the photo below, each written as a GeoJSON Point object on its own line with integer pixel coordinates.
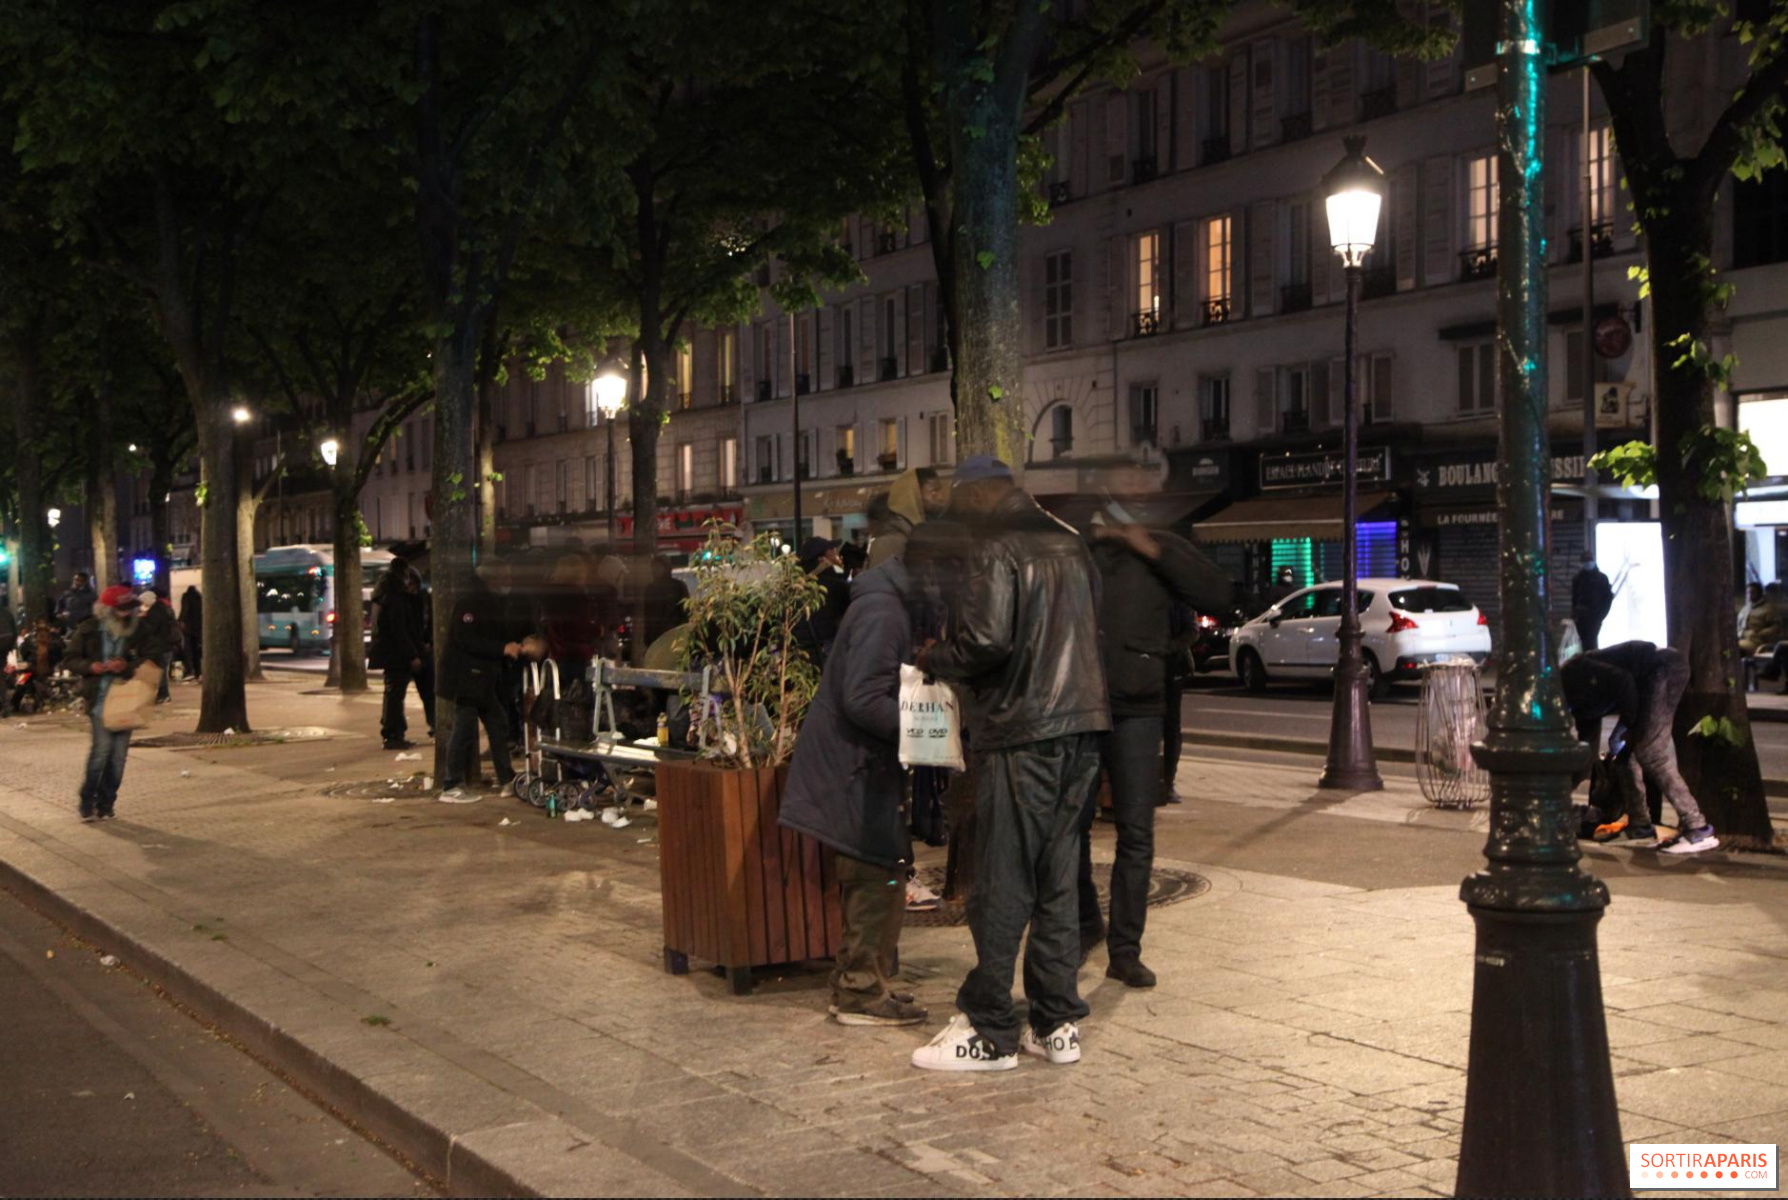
{"type": "Point", "coordinates": [1450, 720]}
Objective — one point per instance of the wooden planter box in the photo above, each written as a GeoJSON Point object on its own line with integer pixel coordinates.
{"type": "Point", "coordinates": [739, 890]}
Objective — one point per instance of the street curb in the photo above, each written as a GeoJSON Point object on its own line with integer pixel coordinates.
{"type": "Point", "coordinates": [1397, 754]}
{"type": "Point", "coordinates": [437, 1151]}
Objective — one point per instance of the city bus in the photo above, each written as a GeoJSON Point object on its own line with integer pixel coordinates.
{"type": "Point", "coordinates": [295, 594]}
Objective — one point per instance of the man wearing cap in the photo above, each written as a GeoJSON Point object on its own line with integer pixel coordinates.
{"type": "Point", "coordinates": [819, 557]}
{"type": "Point", "coordinates": [110, 645]}
{"type": "Point", "coordinates": [1023, 644]}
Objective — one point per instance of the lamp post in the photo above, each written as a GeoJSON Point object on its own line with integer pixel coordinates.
{"type": "Point", "coordinates": [1540, 1116]}
{"type": "Point", "coordinates": [1355, 191]}
{"type": "Point", "coordinates": [330, 450]}
{"type": "Point", "coordinates": [610, 391]}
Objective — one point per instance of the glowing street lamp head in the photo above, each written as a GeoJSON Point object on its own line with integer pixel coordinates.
{"type": "Point", "coordinates": [55, 517]}
{"type": "Point", "coordinates": [240, 414]}
{"type": "Point", "coordinates": [330, 450]}
{"type": "Point", "coordinates": [610, 390]}
{"type": "Point", "coordinates": [1355, 192]}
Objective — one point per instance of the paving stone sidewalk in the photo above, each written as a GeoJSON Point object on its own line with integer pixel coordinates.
{"type": "Point", "coordinates": [504, 982]}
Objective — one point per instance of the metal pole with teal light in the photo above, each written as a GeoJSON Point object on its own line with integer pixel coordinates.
{"type": "Point", "coordinates": [1355, 192]}
{"type": "Point", "coordinates": [1540, 1116]}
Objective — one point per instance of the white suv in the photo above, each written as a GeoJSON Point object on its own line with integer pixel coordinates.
{"type": "Point", "coordinates": [1403, 622]}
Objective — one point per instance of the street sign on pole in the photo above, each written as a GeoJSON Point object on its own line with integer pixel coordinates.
{"type": "Point", "coordinates": [1577, 30]}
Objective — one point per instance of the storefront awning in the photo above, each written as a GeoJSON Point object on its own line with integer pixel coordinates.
{"type": "Point", "coordinates": [1156, 510]}
{"type": "Point", "coordinates": [815, 501]}
{"type": "Point", "coordinates": [1269, 517]}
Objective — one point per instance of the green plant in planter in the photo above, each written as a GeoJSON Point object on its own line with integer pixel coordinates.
{"type": "Point", "coordinates": [748, 601]}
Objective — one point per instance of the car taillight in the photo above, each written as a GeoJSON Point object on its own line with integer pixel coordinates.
{"type": "Point", "coordinates": [1206, 622]}
{"type": "Point", "coordinates": [329, 617]}
{"type": "Point", "coordinates": [1400, 623]}
{"type": "Point", "coordinates": [1482, 619]}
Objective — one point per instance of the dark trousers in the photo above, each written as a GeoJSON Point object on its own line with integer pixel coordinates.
{"type": "Point", "coordinates": [874, 902]}
{"type": "Point", "coordinates": [929, 785]}
{"type": "Point", "coordinates": [1589, 627]}
{"type": "Point", "coordinates": [1028, 805]}
{"type": "Point", "coordinates": [193, 646]}
{"type": "Point", "coordinates": [398, 677]}
{"type": "Point", "coordinates": [1173, 735]}
{"type": "Point", "coordinates": [464, 744]}
{"type": "Point", "coordinates": [1131, 754]}
{"type": "Point", "coordinates": [105, 764]}
{"type": "Point", "coordinates": [513, 678]}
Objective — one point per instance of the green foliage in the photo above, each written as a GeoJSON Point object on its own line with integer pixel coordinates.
{"type": "Point", "coordinates": [1718, 729]}
{"type": "Point", "coordinates": [1631, 464]}
{"type": "Point", "coordinates": [1721, 462]}
{"type": "Point", "coordinates": [1697, 357]}
{"type": "Point", "coordinates": [746, 605]}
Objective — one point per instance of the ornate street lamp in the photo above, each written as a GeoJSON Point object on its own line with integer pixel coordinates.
{"type": "Point", "coordinates": [1540, 1116]}
{"type": "Point", "coordinates": [1355, 191]}
{"type": "Point", "coordinates": [241, 415]}
{"type": "Point", "coordinates": [330, 450]}
{"type": "Point", "coordinates": [609, 390]}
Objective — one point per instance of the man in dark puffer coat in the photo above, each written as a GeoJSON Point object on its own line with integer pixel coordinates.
{"type": "Point", "coordinates": [845, 787]}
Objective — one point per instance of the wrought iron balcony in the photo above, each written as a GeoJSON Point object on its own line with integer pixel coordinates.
{"type": "Point", "coordinates": [1216, 149]}
{"type": "Point", "coordinates": [1294, 297]}
{"type": "Point", "coordinates": [1379, 102]}
{"type": "Point", "coordinates": [1295, 128]}
{"type": "Point", "coordinates": [1478, 264]}
{"type": "Point", "coordinates": [1144, 169]}
{"type": "Point", "coordinates": [940, 358]}
{"type": "Point", "coordinates": [763, 389]}
{"type": "Point", "coordinates": [729, 393]}
{"type": "Point", "coordinates": [1060, 193]}
{"type": "Point", "coordinates": [886, 243]}
{"type": "Point", "coordinates": [846, 375]}
{"type": "Point", "coordinates": [1601, 241]}
{"type": "Point", "coordinates": [1294, 420]}
{"type": "Point", "coordinates": [1215, 429]}
{"type": "Point", "coordinates": [1145, 324]}
{"type": "Point", "coordinates": [887, 368]}
{"type": "Point", "coordinates": [888, 462]}
{"type": "Point", "coordinates": [803, 383]}
{"type": "Point", "coordinates": [1214, 311]}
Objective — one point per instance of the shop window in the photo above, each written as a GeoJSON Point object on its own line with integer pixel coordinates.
{"type": "Point", "coordinates": [1765, 418]}
{"type": "Point", "coordinates": [1296, 553]}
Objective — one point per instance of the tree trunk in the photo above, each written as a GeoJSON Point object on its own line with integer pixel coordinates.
{"type": "Point", "coordinates": [37, 585]}
{"type": "Point", "coordinates": [487, 453]}
{"type": "Point", "coordinates": [246, 504]}
{"type": "Point", "coordinates": [348, 661]}
{"type": "Point", "coordinates": [453, 540]}
{"type": "Point", "coordinates": [1698, 560]}
{"type": "Point", "coordinates": [100, 495]}
{"type": "Point", "coordinates": [989, 363]}
{"type": "Point", "coordinates": [223, 696]}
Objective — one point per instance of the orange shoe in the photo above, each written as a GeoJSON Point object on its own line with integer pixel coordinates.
{"type": "Point", "coordinates": [1612, 830]}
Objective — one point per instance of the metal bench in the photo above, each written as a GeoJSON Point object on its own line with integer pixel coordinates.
{"type": "Point", "coordinates": [621, 760]}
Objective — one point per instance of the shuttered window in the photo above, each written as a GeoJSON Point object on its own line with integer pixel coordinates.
{"type": "Point", "coordinates": [1480, 212]}
{"type": "Point", "coordinates": [1058, 300]}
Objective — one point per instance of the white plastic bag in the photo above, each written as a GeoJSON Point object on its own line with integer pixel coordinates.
{"type": "Point", "coordinates": [930, 722]}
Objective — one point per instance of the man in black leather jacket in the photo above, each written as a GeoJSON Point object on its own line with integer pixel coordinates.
{"type": "Point", "coordinates": [1143, 574]}
{"type": "Point", "coordinates": [1023, 644]}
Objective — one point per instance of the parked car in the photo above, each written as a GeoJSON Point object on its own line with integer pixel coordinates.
{"type": "Point", "coordinates": [1210, 648]}
{"type": "Point", "coordinates": [1403, 622]}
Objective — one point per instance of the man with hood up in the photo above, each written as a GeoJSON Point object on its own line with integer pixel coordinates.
{"type": "Point", "coordinates": [919, 495]}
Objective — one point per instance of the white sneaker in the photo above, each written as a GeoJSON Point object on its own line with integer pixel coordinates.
{"type": "Point", "coordinates": [1691, 841]}
{"type": "Point", "coordinates": [1061, 1046]}
{"type": "Point", "coordinates": [458, 795]}
{"type": "Point", "coordinates": [920, 898]}
{"type": "Point", "coordinates": [960, 1048]}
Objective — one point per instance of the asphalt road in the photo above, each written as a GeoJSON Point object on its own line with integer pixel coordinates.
{"type": "Point", "coordinates": [1220, 707]}
{"type": "Point", "coordinates": [109, 1090]}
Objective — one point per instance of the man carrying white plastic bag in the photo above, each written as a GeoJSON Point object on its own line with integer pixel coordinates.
{"type": "Point", "coordinates": [845, 787]}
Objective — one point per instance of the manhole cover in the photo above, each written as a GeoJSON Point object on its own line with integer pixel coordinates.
{"type": "Point", "coordinates": [208, 741]}
{"type": "Point", "coordinates": [1167, 885]}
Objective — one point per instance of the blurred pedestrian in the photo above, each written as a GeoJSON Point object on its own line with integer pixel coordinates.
{"type": "Point", "coordinates": [109, 646]}
{"type": "Point", "coordinates": [192, 631]}
{"type": "Point", "coordinates": [665, 596]}
{"type": "Point", "coordinates": [158, 623]}
{"type": "Point", "coordinates": [819, 557]}
{"type": "Point", "coordinates": [1592, 596]}
{"type": "Point", "coordinates": [482, 641]}
{"type": "Point", "coordinates": [401, 647]}
{"type": "Point", "coordinates": [1023, 648]}
{"type": "Point", "coordinates": [76, 604]}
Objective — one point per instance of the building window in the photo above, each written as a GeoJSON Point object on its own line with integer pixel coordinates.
{"type": "Point", "coordinates": [1477, 378]}
{"type": "Point", "coordinates": [1144, 414]}
{"type": "Point", "coordinates": [410, 446]}
{"type": "Point", "coordinates": [685, 375]}
{"type": "Point", "coordinates": [803, 323]}
{"type": "Point", "coordinates": [766, 362]}
{"type": "Point", "coordinates": [1601, 176]}
{"type": "Point", "coordinates": [847, 449]}
{"type": "Point", "coordinates": [1147, 312]}
{"type": "Point", "coordinates": [728, 350]}
{"type": "Point", "coordinates": [844, 351]}
{"type": "Point", "coordinates": [685, 468]}
{"type": "Point", "coordinates": [915, 330]}
{"type": "Point", "coordinates": [592, 495]}
{"type": "Point", "coordinates": [562, 485]}
{"type": "Point", "coordinates": [1377, 397]}
{"type": "Point", "coordinates": [1296, 120]}
{"type": "Point", "coordinates": [1760, 220]}
{"type": "Point", "coordinates": [1058, 300]}
{"type": "Point", "coordinates": [1213, 406]}
{"type": "Point", "coordinates": [729, 464]}
{"type": "Point", "coordinates": [1294, 399]}
{"type": "Point", "coordinates": [940, 426]}
{"type": "Point", "coordinates": [1480, 212]}
{"type": "Point", "coordinates": [1145, 165]}
{"type": "Point", "coordinates": [887, 453]}
{"type": "Point", "coordinates": [1061, 430]}
{"type": "Point", "coordinates": [767, 459]}
{"type": "Point", "coordinates": [804, 454]}
{"type": "Point", "coordinates": [1217, 263]}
